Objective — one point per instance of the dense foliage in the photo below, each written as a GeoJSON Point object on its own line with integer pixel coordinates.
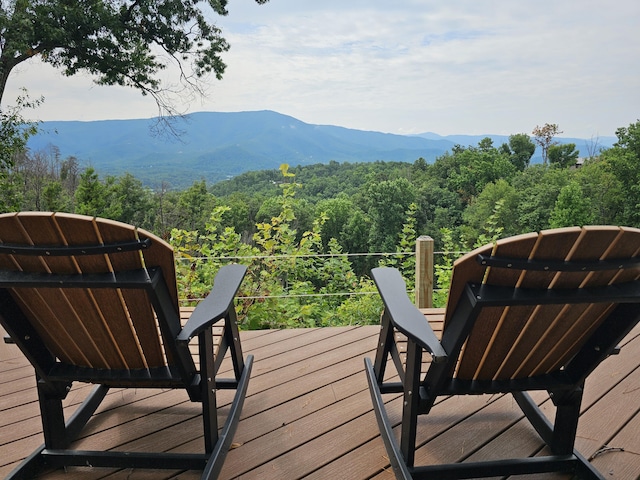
{"type": "Point", "coordinates": [311, 234]}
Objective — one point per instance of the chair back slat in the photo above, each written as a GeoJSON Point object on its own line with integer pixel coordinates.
{"type": "Point", "coordinates": [92, 327]}
{"type": "Point", "coordinates": [483, 333]}
{"type": "Point", "coordinates": [521, 341]}
{"type": "Point", "coordinates": [552, 328]}
{"type": "Point", "coordinates": [110, 307]}
{"type": "Point", "coordinates": [140, 310]}
{"type": "Point", "coordinates": [582, 320]}
{"type": "Point", "coordinates": [48, 309]}
{"type": "Point", "coordinates": [534, 321]}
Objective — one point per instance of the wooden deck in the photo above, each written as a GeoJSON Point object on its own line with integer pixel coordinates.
{"type": "Point", "coordinates": [308, 415]}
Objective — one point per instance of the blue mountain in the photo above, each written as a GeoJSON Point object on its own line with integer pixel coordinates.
{"type": "Point", "coordinates": [215, 146]}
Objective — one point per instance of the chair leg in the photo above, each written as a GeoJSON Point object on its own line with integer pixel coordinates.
{"type": "Point", "coordinates": [232, 336]}
{"type": "Point", "coordinates": [219, 452]}
{"type": "Point", "coordinates": [385, 342]}
{"type": "Point", "coordinates": [411, 402]}
{"type": "Point", "coordinates": [555, 436]}
{"type": "Point", "coordinates": [57, 436]}
{"type": "Point", "coordinates": [208, 386]}
{"type": "Point", "coordinates": [386, 429]}
{"type": "Point", "coordinates": [566, 422]}
{"type": "Point", "coordinates": [52, 415]}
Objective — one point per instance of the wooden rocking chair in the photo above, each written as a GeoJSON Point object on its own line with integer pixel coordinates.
{"type": "Point", "coordinates": [93, 300]}
{"type": "Point", "coordinates": [531, 312]}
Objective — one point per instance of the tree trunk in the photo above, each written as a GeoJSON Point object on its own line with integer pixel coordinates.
{"type": "Point", "coordinates": [4, 75]}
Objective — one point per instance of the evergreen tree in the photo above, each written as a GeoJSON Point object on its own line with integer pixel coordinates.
{"type": "Point", "coordinates": [90, 195]}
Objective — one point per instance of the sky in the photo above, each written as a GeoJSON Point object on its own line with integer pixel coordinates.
{"type": "Point", "coordinates": [406, 67]}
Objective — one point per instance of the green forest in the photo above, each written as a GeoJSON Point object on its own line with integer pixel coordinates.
{"type": "Point", "coordinates": [310, 234]}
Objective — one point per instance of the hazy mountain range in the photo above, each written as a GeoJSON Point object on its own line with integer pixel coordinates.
{"type": "Point", "coordinates": [216, 146]}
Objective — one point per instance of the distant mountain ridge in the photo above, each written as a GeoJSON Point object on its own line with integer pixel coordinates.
{"type": "Point", "coordinates": [216, 146]}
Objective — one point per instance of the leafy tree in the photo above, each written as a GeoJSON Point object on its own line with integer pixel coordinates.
{"type": "Point", "coordinates": [444, 268]}
{"type": "Point", "coordinates": [288, 284]}
{"type": "Point", "coordinates": [120, 42]}
{"type": "Point", "coordinates": [242, 212]}
{"type": "Point", "coordinates": [129, 202]}
{"type": "Point", "coordinates": [195, 205]}
{"type": "Point", "coordinates": [303, 212]}
{"type": "Point", "coordinates": [406, 243]}
{"type": "Point", "coordinates": [477, 168]}
{"type": "Point", "coordinates": [446, 168]}
{"type": "Point", "coordinates": [319, 181]}
{"type": "Point", "coordinates": [564, 155]}
{"type": "Point", "coordinates": [200, 254]}
{"type": "Point", "coordinates": [360, 308]}
{"type": "Point", "coordinates": [485, 145]}
{"type": "Point", "coordinates": [386, 203]}
{"type": "Point", "coordinates": [520, 150]}
{"type": "Point", "coordinates": [543, 136]}
{"type": "Point", "coordinates": [355, 238]}
{"type": "Point", "coordinates": [338, 212]}
{"type": "Point", "coordinates": [14, 131]}
{"type": "Point", "coordinates": [572, 208]}
{"type": "Point", "coordinates": [629, 138]}
{"type": "Point", "coordinates": [538, 188]}
{"type": "Point", "coordinates": [604, 190]}
{"type": "Point", "coordinates": [476, 215]}
{"type": "Point", "coordinates": [438, 208]}
{"type": "Point", "coordinates": [420, 165]}
{"type": "Point", "coordinates": [11, 189]}
{"type": "Point", "coordinates": [262, 183]}
{"type": "Point", "coordinates": [492, 230]}
{"type": "Point", "coordinates": [623, 161]}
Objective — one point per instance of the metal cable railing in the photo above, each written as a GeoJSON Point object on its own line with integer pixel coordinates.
{"type": "Point", "coordinates": [290, 256]}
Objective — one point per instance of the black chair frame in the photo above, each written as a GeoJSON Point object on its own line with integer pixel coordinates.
{"type": "Point", "coordinates": [54, 378]}
{"type": "Point", "coordinates": [565, 386]}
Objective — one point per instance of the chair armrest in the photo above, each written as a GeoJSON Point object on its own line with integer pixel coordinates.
{"type": "Point", "coordinates": [404, 314]}
{"type": "Point", "coordinates": [218, 302]}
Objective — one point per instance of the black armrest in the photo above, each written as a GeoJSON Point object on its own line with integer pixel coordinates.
{"type": "Point", "coordinates": [218, 302]}
{"type": "Point", "coordinates": [404, 314]}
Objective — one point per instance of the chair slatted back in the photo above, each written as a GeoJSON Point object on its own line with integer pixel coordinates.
{"type": "Point", "coordinates": [508, 342]}
{"type": "Point", "coordinates": [92, 327]}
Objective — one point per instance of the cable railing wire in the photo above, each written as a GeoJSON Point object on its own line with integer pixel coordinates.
{"type": "Point", "coordinates": [319, 255]}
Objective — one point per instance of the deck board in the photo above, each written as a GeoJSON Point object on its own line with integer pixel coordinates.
{"type": "Point", "coordinates": [308, 415]}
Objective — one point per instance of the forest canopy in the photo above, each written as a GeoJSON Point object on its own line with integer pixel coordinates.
{"type": "Point", "coordinates": [318, 229]}
{"type": "Point", "coordinates": [364, 202]}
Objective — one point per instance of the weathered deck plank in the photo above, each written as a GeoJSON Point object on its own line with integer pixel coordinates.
{"type": "Point", "coordinates": [308, 415]}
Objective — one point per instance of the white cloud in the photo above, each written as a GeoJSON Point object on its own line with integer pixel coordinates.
{"type": "Point", "coordinates": [453, 67]}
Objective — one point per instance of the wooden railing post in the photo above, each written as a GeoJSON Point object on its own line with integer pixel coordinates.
{"type": "Point", "coordinates": [424, 272]}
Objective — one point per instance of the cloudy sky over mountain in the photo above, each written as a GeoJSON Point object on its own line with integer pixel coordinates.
{"type": "Point", "coordinates": [412, 66]}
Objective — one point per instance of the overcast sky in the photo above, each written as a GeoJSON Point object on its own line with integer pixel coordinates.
{"type": "Point", "coordinates": [410, 66]}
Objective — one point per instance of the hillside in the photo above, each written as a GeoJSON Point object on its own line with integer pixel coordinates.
{"type": "Point", "coordinates": [218, 146]}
